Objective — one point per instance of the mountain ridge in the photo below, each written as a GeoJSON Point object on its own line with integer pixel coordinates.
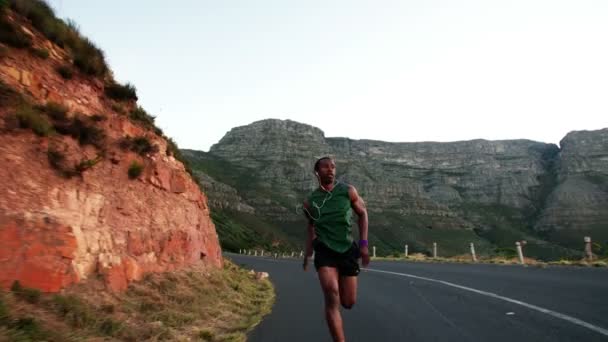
{"type": "Point", "coordinates": [496, 189]}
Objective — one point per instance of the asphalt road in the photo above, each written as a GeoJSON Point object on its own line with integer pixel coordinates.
{"type": "Point", "coordinates": [400, 301]}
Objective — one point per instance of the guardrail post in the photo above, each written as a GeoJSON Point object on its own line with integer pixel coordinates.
{"type": "Point", "coordinates": [588, 250]}
{"type": "Point", "coordinates": [520, 253]}
{"type": "Point", "coordinates": [473, 252]}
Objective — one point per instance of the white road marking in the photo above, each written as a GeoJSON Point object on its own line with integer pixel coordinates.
{"type": "Point", "coordinates": [555, 314]}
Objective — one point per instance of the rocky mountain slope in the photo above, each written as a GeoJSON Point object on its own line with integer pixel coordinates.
{"type": "Point", "coordinates": [492, 193]}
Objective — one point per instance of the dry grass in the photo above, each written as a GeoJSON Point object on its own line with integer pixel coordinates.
{"type": "Point", "coordinates": [582, 262]}
{"type": "Point", "coordinates": [467, 259]}
{"type": "Point", "coordinates": [192, 304]}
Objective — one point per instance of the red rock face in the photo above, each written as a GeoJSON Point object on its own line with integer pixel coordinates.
{"type": "Point", "coordinates": [37, 252]}
{"type": "Point", "coordinates": [56, 231]}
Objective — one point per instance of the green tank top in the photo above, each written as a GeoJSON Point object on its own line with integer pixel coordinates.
{"type": "Point", "coordinates": [332, 213]}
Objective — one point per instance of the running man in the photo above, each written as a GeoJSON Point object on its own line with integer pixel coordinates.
{"type": "Point", "coordinates": [329, 210]}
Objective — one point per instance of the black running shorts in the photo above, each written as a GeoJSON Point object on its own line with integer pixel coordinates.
{"type": "Point", "coordinates": [346, 263]}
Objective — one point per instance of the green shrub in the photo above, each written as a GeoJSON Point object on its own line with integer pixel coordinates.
{"type": "Point", "coordinates": [140, 145]}
{"type": "Point", "coordinates": [73, 310]}
{"type": "Point", "coordinates": [118, 108]}
{"type": "Point", "coordinates": [16, 286]}
{"type": "Point", "coordinates": [87, 57]}
{"type": "Point", "coordinates": [37, 11]}
{"type": "Point", "coordinates": [28, 330]}
{"type": "Point", "coordinates": [206, 335]}
{"type": "Point", "coordinates": [8, 96]}
{"type": "Point", "coordinates": [159, 131]}
{"type": "Point", "coordinates": [29, 295]}
{"type": "Point", "coordinates": [110, 327]}
{"type": "Point", "coordinates": [120, 92]}
{"type": "Point", "coordinates": [98, 117]}
{"type": "Point", "coordinates": [4, 316]}
{"type": "Point", "coordinates": [108, 308]}
{"type": "Point", "coordinates": [135, 169]}
{"type": "Point", "coordinates": [140, 115]}
{"type": "Point", "coordinates": [82, 130]}
{"type": "Point", "coordinates": [30, 118]}
{"type": "Point", "coordinates": [43, 19]}
{"type": "Point", "coordinates": [42, 53]}
{"type": "Point", "coordinates": [13, 36]}
{"type": "Point", "coordinates": [172, 149]}
{"type": "Point", "coordinates": [88, 134]}
{"type": "Point", "coordinates": [55, 111]}
{"type": "Point", "coordinates": [86, 164]}
{"type": "Point", "coordinates": [65, 72]}
{"type": "Point", "coordinates": [55, 158]}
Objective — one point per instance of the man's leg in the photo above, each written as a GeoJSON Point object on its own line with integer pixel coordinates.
{"type": "Point", "coordinates": [348, 291]}
{"type": "Point", "coordinates": [328, 276]}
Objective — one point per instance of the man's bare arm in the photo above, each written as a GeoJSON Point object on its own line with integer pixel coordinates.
{"type": "Point", "coordinates": [310, 235]}
{"type": "Point", "coordinates": [358, 206]}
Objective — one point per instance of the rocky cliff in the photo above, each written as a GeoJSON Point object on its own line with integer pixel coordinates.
{"type": "Point", "coordinates": [578, 204]}
{"type": "Point", "coordinates": [492, 193]}
{"type": "Point", "coordinates": [91, 188]}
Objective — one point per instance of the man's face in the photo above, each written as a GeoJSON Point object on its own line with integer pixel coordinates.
{"type": "Point", "coordinates": [327, 171]}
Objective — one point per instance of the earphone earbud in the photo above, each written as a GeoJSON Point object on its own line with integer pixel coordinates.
{"type": "Point", "coordinates": [316, 173]}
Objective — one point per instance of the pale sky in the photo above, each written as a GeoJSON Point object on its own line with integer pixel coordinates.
{"type": "Point", "coordinates": [399, 71]}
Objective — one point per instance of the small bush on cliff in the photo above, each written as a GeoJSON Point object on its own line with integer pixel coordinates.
{"type": "Point", "coordinates": [173, 150]}
{"type": "Point", "coordinates": [55, 111]}
{"type": "Point", "coordinates": [110, 327]}
{"type": "Point", "coordinates": [8, 96]}
{"type": "Point", "coordinates": [206, 335]}
{"type": "Point", "coordinates": [118, 108]}
{"type": "Point", "coordinates": [10, 36]}
{"type": "Point", "coordinates": [135, 169]}
{"type": "Point", "coordinates": [86, 164]}
{"type": "Point", "coordinates": [89, 59]}
{"type": "Point", "coordinates": [29, 329]}
{"type": "Point", "coordinates": [4, 317]}
{"type": "Point", "coordinates": [73, 310]}
{"type": "Point", "coordinates": [13, 36]}
{"type": "Point", "coordinates": [55, 158]}
{"type": "Point", "coordinates": [38, 12]}
{"type": "Point", "coordinates": [86, 56]}
{"type": "Point", "coordinates": [30, 118]}
{"type": "Point", "coordinates": [98, 117]}
{"type": "Point", "coordinates": [140, 115]}
{"type": "Point", "coordinates": [121, 92]}
{"type": "Point", "coordinates": [31, 296]}
{"type": "Point", "coordinates": [140, 145]}
{"type": "Point", "coordinates": [41, 53]}
{"type": "Point", "coordinates": [58, 162]}
{"type": "Point", "coordinates": [87, 134]}
{"type": "Point", "coordinates": [65, 72]}
{"type": "Point", "coordinates": [81, 129]}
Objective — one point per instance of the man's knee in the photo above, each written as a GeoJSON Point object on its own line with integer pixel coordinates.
{"type": "Point", "coordinates": [332, 296]}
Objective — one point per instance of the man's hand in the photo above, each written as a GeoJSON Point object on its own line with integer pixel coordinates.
{"type": "Point", "coordinates": [364, 256]}
{"type": "Point", "coordinates": [305, 264]}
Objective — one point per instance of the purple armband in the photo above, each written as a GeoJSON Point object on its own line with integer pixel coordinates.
{"type": "Point", "coordinates": [362, 243]}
